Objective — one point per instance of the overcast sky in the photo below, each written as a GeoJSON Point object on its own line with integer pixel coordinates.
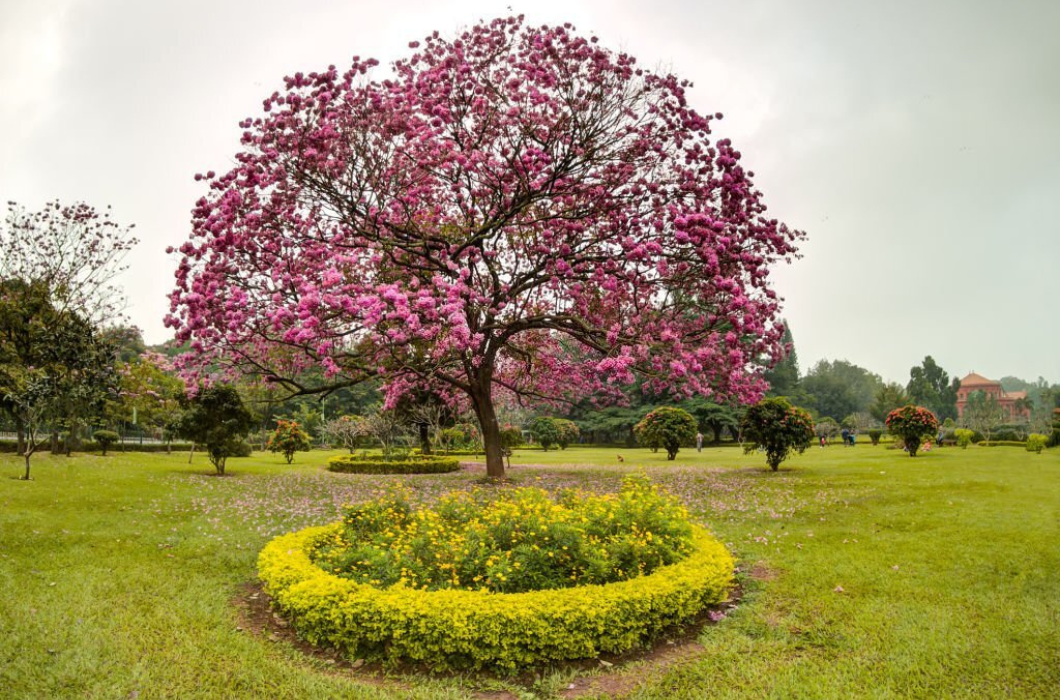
{"type": "Point", "coordinates": [917, 143]}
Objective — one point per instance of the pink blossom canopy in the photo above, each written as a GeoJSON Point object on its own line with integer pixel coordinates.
{"type": "Point", "coordinates": [516, 209]}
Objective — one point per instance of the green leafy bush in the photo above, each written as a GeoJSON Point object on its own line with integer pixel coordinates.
{"type": "Point", "coordinates": [1002, 443]}
{"type": "Point", "coordinates": [1036, 442]}
{"type": "Point", "coordinates": [453, 628]}
{"type": "Point", "coordinates": [875, 434]}
{"type": "Point", "coordinates": [217, 419]}
{"type": "Point", "coordinates": [546, 431]}
{"type": "Point", "coordinates": [964, 437]}
{"type": "Point", "coordinates": [377, 464]}
{"type": "Point", "coordinates": [105, 439]}
{"type": "Point", "coordinates": [667, 427]}
{"type": "Point", "coordinates": [511, 436]}
{"type": "Point", "coordinates": [568, 432]}
{"type": "Point", "coordinates": [912, 424]}
{"type": "Point", "coordinates": [288, 438]}
{"type": "Point", "coordinates": [777, 427]}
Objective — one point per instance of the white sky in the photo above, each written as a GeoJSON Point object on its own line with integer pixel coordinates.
{"type": "Point", "coordinates": [917, 142]}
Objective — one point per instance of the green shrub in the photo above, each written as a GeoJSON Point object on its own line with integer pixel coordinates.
{"type": "Point", "coordinates": [105, 438]}
{"type": "Point", "coordinates": [964, 437]}
{"type": "Point", "coordinates": [568, 432]}
{"type": "Point", "coordinates": [1002, 443]}
{"type": "Point", "coordinates": [1036, 442]}
{"type": "Point", "coordinates": [546, 431]}
{"type": "Point", "coordinates": [778, 428]}
{"type": "Point", "coordinates": [511, 437]}
{"type": "Point", "coordinates": [217, 419]}
{"type": "Point", "coordinates": [668, 427]}
{"type": "Point", "coordinates": [455, 629]}
{"type": "Point", "coordinates": [874, 435]}
{"type": "Point", "coordinates": [375, 464]}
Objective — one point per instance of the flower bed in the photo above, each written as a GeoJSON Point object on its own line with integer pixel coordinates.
{"type": "Point", "coordinates": [429, 615]}
{"type": "Point", "coordinates": [374, 464]}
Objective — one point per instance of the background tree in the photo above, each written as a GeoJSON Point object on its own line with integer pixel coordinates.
{"type": "Point", "coordinates": [857, 422]}
{"type": "Point", "coordinates": [518, 211]}
{"type": "Point", "coordinates": [913, 425]}
{"type": "Point", "coordinates": [346, 431]}
{"type": "Point", "coordinates": [713, 417]}
{"type": "Point", "coordinates": [827, 428]}
{"type": "Point", "coordinates": [930, 386]}
{"type": "Point", "coordinates": [151, 395]}
{"type": "Point", "coordinates": [982, 413]}
{"type": "Point", "coordinates": [217, 419]}
{"type": "Point", "coordinates": [387, 427]}
{"type": "Point", "coordinates": [777, 427]}
{"type": "Point", "coordinates": [288, 438]}
{"type": "Point", "coordinates": [668, 427]}
{"type": "Point", "coordinates": [837, 389]}
{"type": "Point", "coordinates": [888, 397]}
{"type": "Point", "coordinates": [54, 367]}
{"type": "Point", "coordinates": [783, 378]}
{"type": "Point", "coordinates": [73, 250]}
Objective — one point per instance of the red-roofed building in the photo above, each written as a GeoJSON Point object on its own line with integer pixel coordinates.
{"type": "Point", "coordinates": [1007, 400]}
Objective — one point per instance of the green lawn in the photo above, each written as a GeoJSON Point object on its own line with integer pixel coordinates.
{"type": "Point", "coordinates": [874, 575]}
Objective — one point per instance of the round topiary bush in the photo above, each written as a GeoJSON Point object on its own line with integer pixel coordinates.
{"type": "Point", "coordinates": [497, 582]}
{"type": "Point", "coordinates": [377, 464]}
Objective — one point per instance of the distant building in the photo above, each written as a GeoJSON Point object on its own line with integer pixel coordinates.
{"type": "Point", "coordinates": [1007, 400]}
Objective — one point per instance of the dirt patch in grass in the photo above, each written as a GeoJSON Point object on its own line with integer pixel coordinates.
{"type": "Point", "coordinates": [612, 675]}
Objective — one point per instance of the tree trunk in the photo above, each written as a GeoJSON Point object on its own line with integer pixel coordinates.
{"type": "Point", "coordinates": [27, 456]}
{"type": "Point", "coordinates": [21, 430]}
{"type": "Point", "coordinates": [482, 401]}
{"type": "Point", "coordinates": [425, 438]}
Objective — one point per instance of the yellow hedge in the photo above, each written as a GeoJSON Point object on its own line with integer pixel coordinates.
{"type": "Point", "coordinates": [452, 629]}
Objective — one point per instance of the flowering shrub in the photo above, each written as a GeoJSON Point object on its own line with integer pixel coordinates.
{"type": "Point", "coordinates": [777, 427]}
{"type": "Point", "coordinates": [410, 609]}
{"type": "Point", "coordinates": [379, 464]}
{"type": "Point", "coordinates": [667, 427]}
{"type": "Point", "coordinates": [912, 424]}
{"type": "Point", "coordinates": [289, 438]}
{"type": "Point", "coordinates": [518, 540]}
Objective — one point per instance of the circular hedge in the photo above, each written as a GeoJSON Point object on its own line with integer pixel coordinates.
{"type": "Point", "coordinates": [415, 464]}
{"type": "Point", "coordinates": [462, 629]}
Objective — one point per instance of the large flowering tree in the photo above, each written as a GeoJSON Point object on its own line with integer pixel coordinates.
{"type": "Point", "coordinates": [515, 211]}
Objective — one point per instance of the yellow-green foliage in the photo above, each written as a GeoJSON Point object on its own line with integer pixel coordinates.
{"type": "Point", "coordinates": [449, 629]}
{"type": "Point", "coordinates": [511, 540]}
{"type": "Point", "coordinates": [372, 464]}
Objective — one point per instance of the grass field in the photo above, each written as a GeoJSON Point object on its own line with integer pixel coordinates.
{"type": "Point", "coordinates": [867, 574]}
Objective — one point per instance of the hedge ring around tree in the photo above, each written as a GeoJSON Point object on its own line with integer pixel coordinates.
{"type": "Point", "coordinates": [462, 629]}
